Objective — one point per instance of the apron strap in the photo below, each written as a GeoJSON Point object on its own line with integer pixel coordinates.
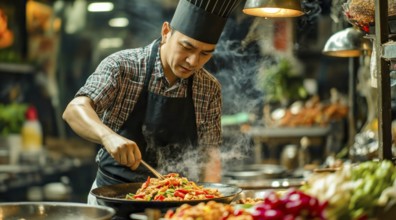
{"type": "Point", "coordinates": [151, 63]}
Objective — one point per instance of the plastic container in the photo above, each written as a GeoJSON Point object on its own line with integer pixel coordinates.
{"type": "Point", "coordinates": [32, 134]}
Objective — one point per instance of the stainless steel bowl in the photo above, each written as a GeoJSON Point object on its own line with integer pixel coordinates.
{"type": "Point", "coordinates": [54, 211]}
{"type": "Point", "coordinates": [256, 172]}
{"type": "Point", "coordinates": [245, 175]}
{"type": "Point", "coordinates": [271, 171]}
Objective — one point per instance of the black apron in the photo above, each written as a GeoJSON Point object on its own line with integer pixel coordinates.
{"type": "Point", "coordinates": [163, 128]}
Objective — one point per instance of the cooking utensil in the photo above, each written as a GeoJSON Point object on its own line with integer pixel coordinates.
{"type": "Point", "coordinates": [54, 210]}
{"type": "Point", "coordinates": [256, 172]}
{"type": "Point", "coordinates": [114, 196]}
{"type": "Point", "coordinates": [268, 183]}
{"type": "Point", "coordinates": [154, 171]}
{"type": "Point", "coordinates": [271, 171]}
{"type": "Point", "coordinates": [245, 175]}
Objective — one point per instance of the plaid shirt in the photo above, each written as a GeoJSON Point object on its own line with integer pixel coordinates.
{"type": "Point", "coordinates": [116, 84]}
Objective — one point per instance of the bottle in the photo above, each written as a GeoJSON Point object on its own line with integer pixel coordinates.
{"type": "Point", "coordinates": [303, 154]}
{"type": "Point", "coordinates": [32, 134]}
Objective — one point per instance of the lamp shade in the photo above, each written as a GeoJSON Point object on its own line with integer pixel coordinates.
{"type": "Point", "coordinates": [345, 43]}
{"type": "Point", "coordinates": [273, 8]}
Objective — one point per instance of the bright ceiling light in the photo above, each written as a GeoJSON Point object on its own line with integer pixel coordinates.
{"type": "Point", "coordinates": [273, 8]}
{"type": "Point", "coordinates": [100, 6]}
{"type": "Point", "coordinates": [107, 43]}
{"type": "Point", "coordinates": [119, 22]}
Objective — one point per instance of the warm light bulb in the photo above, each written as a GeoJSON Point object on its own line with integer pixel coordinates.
{"type": "Point", "coordinates": [100, 6]}
{"type": "Point", "coordinates": [271, 10]}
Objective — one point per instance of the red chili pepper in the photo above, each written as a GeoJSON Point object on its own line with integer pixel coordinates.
{"type": "Point", "coordinates": [139, 196]}
{"type": "Point", "coordinates": [179, 194]}
{"type": "Point", "coordinates": [209, 196]}
{"type": "Point", "coordinates": [184, 191]}
{"type": "Point", "coordinates": [169, 213]}
{"type": "Point", "coordinates": [159, 197]}
{"type": "Point", "coordinates": [145, 184]}
{"type": "Point", "coordinates": [199, 192]}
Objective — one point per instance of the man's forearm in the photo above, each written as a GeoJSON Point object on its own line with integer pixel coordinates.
{"type": "Point", "coordinates": [82, 118]}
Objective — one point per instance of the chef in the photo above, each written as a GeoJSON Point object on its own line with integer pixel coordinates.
{"type": "Point", "coordinates": [157, 102]}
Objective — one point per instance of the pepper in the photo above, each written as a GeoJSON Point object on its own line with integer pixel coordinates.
{"type": "Point", "coordinates": [184, 191]}
{"type": "Point", "coordinates": [145, 184]}
{"type": "Point", "coordinates": [139, 196]}
{"type": "Point", "coordinates": [199, 192]}
{"type": "Point", "coordinates": [179, 194]}
{"type": "Point", "coordinates": [159, 197]}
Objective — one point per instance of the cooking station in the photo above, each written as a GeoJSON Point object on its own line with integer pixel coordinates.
{"type": "Point", "coordinates": [27, 182]}
{"type": "Point", "coordinates": [277, 137]}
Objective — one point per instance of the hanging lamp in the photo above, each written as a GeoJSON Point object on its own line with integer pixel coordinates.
{"type": "Point", "coordinates": [345, 43]}
{"type": "Point", "coordinates": [273, 8]}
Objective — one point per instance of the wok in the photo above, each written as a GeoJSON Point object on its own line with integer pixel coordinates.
{"type": "Point", "coordinates": [114, 196]}
{"type": "Point", "coordinates": [54, 211]}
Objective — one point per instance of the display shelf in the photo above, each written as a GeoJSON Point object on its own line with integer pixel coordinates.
{"type": "Point", "coordinates": [17, 68]}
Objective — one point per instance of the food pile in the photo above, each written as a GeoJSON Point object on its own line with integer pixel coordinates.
{"type": "Point", "coordinates": [172, 188]}
{"type": "Point", "coordinates": [250, 201]}
{"type": "Point", "coordinates": [208, 211]}
{"type": "Point", "coordinates": [354, 191]}
{"type": "Point", "coordinates": [362, 12]}
{"type": "Point", "coordinates": [351, 192]}
{"type": "Point", "coordinates": [292, 204]}
{"type": "Point", "coordinates": [311, 113]}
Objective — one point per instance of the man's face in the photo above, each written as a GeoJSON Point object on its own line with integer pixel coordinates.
{"type": "Point", "coordinates": [183, 55]}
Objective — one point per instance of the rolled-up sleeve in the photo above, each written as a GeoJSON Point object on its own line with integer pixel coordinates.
{"type": "Point", "coordinates": [101, 85]}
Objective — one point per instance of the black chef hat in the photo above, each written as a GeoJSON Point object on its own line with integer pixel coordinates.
{"type": "Point", "coordinates": [202, 20]}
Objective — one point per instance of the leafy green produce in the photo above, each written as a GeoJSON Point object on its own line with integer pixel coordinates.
{"type": "Point", "coordinates": [375, 178]}
{"type": "Point", "coordinates": [12, 117]}
{"type": "Point", "coordinates": [280, 83]}
{"type": "Point", "coordinates": [355, 191]}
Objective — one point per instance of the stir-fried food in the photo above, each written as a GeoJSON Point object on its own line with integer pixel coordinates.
{"type": "Point", "coordinates": [172, 188]}
{"type": "Point", "coordinates": [209, 211]}
{"type": "Point", "coordinates": [250, 200]}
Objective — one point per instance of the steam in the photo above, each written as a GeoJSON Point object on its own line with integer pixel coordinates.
{"type": "Point", "coordinates": [184, 159]}
{"type": "Point", "coordinates": [189, 162]}
{"type": "Point", "coordinates": [239, 56]}
{"type": "Point", "coordinates": [235, 63]}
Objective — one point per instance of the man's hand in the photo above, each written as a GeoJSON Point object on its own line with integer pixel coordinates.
{"type": "Point", "coordinates": [123, 150]}
{"type": "Point", "coordinates": [82, 118]}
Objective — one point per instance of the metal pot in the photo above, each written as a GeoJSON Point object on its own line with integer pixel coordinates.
{"type": "Point", "coordinates": [54, 211]}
